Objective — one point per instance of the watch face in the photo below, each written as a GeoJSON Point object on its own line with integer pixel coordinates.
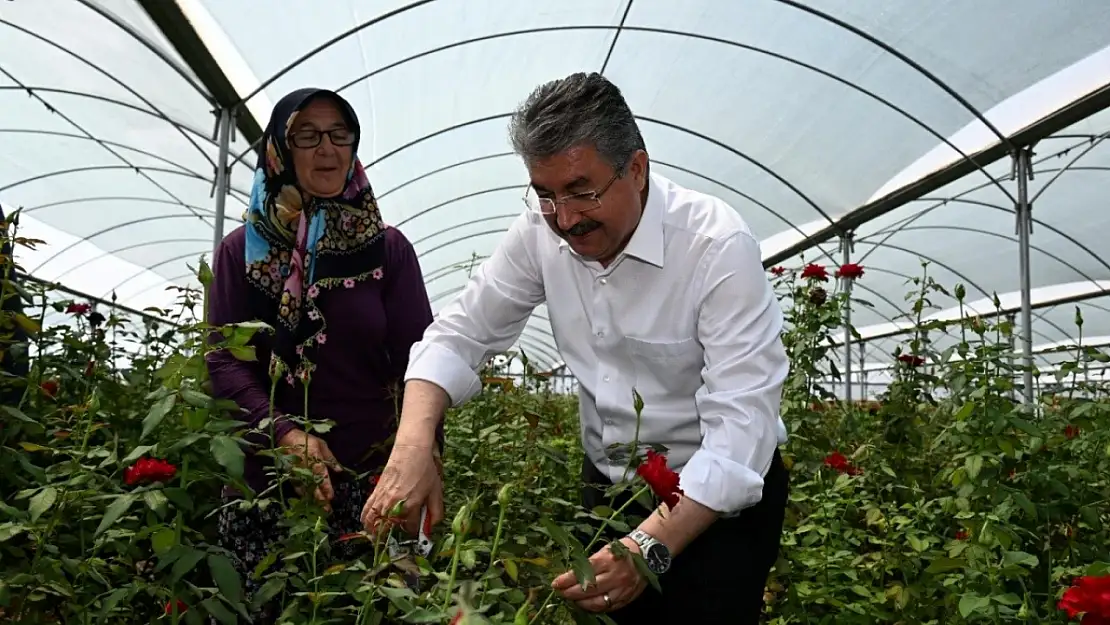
{"type": "Point", "coordinates": [658, 558]}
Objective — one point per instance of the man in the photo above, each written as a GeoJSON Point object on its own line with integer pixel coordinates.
{"type": "Point", "coordinates": [652, 287]}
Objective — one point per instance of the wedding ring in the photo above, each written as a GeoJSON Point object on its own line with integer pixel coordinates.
{"type": "Point", "coordinates": [608, 601]}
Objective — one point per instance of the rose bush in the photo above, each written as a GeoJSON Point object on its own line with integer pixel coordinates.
{"type": "Point", "coordinates": [944, 501]}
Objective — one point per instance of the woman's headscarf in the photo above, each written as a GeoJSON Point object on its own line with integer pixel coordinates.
{"type": "Point", "coordinates": [298, 246]}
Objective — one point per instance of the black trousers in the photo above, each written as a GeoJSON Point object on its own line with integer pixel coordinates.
{"type": "Point", "coordinates": [719, 579]}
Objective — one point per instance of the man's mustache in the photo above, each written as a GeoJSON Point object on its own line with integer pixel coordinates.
{"type": "Point", "coordinates": [582, 228]}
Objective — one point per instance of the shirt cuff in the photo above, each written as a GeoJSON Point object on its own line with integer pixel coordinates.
{"type": "Point", "coordinates": [720, 484]}
{"type": "Point", "coordinates": [439, 365]}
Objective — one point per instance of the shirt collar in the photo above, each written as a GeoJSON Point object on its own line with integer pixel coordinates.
{"type": "Point", "coordinates": [646, 243]}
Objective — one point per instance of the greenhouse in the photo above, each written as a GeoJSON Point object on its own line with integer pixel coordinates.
{"type": "Point", "coordinates": [961, 144]}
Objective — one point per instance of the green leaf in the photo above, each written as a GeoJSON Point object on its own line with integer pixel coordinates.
{"type": "Point", "coordinates": [269, 590]}
{"type": "Point", "coordinates": [424, 615]}
{"type": "Point", "coordinates": [1025, 426]}
{"type": "Point", "coordinates": [217, 609]}
{"type": "Point", "coordinates": [136, 453]}
{"type": "Point", "coordinates": [156, 501]}
{"type": "Point", "coordinates": [243, 352]}
{"type": "Point", "coordinates": [1026, 505]}
{"type": "Point", "coordinates": [157, 413]}
{"type": "Point", "coordinates": [226, 577]}
{"type": "Point", "coordinates": [1020, 558]}
{"type": "Point", "coordinates": [972, 602]}
{"type": "Point", "coordinates": [583, 569]}
{"type": "Point", "coordinates": [228, 453]}
{"type": "Point", "coordinates": [114, 512]}
{"type": "Point", "coordinates": [974, 465]}
{"type": "Point", "coordinates": [163, 540]}
{"type": "Point", "coordinates": [41, 502]}
{"type": "Point", "coordinates": [186, 563]}
{"type": "Point", "coordinates": [110, 602]}
{"type": "Point", "coordinates": [940, 565]}
{"type": "Point", "coordinates": [29, 325]}
{"type": "Point", "coordinates": [195, 398]}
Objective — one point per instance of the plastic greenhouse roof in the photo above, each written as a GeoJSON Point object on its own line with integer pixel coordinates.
{"type": "Point", "coordinates": [809, 118]}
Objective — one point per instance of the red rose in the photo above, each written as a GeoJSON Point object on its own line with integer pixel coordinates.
{"type": "Point", "coordinates": [778, 271]}
{"type": "Point", "coordinates": [662, 480]}
{"type": "Point", "coordinates": [815, 272]}
{"type": "Point", "coordinates": [78, 309]}
{"type": "Point", "coordinates": [838, 462]}
{"type": "Point", "coordinates": [149, 470]}
{"type": "Point", "coordinates": [911, 360]}
{"type": "Point", "coordinates": [49, 388]}
{"type": "Point", "coordinates": [961, 535]}
{"type": "Point", "coordinates": [1089, 596]}
{"type": "Point", "coordinates": [181, 607]}
{"type": "Point", "coordinates": [1071, 431]}
{"type": "Point", "coordinates": [850, 271]}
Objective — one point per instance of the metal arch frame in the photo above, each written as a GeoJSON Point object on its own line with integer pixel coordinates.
{"type": "Point", "coordinates": [123, 146]}
{"type": "Point", "coordinates": [107, 230]}
{"type": "Point", "coordinates": [104, 73]}
{"type": "Point", "coordinates": [1009, 239]}
{"type": "Point", "coordinates": [119, 23]}
{"type": "Point", "coordinates": [940, 202]}
{"type": "Point", "coordinates": [179, 125]}
{"type": "Point", "coordinates": [905, 59]}
{"type": "Point", "coordinates": [132, 246]}
{"type": "Point", "coordinates": [1047, 226]}
{"type": "Point", "coordinates": [108, 198]}
{"type": "Point", "coordinates": [87, 168]}
{"type": "Point", "coordinates": [55, 110]}
{"type": "Point", "coordinates": [1064, 117]}
{"type": "Point", "coordinates": [696, 36]}
{"type": "Point", "coordinates": [1016, 147]}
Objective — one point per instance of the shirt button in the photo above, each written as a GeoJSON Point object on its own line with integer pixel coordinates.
{"type": "Point", "coordinates": [608, 422]}
{"type": "Point", "coordinates": [604, 280]}
{"type": "Point", "coordinates": [606, 378]}
{"type": "Point", "coordinates": [601, 333]}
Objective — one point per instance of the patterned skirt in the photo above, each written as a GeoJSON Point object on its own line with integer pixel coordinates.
{"type": "Point", "coordinates": [250, 535]}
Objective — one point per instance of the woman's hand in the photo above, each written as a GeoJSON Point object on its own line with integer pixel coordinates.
{"type": "Point", "coordinates": [412, 475]}
{"type": "Point", "coordinates": [313, 452]}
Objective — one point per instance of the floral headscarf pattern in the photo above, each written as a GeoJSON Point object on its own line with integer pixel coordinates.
{"type": "Point", "coordinates": [298, 246]}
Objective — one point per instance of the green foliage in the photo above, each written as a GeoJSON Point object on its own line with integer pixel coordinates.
{"type": "Point", "coordinates": [957, 504]}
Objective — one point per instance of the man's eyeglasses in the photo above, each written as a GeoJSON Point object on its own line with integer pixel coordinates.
{"type": "Point", "coordinates": [310, 138]}
{"type": "Point", "coordinates": [576, 203]}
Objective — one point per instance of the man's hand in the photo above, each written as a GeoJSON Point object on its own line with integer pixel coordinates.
{"type": "Point", "coordinates": [411, 475]}
{"type": "Point", "coordinates": [313, 452]}
{"type": "Point", "coordinates": [615, 577]}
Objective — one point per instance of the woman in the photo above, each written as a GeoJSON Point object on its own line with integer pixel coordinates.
{"type": "Point", "coordinates": [346, 298]}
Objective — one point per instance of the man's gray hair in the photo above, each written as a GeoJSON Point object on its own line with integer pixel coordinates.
{"type": "Point", "coordinates": [581, 109]}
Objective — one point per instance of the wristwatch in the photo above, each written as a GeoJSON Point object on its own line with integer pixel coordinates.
{"type": "Point", "coordinates": [656, 554]}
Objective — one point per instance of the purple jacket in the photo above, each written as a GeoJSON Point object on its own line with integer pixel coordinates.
{"type": "Point", "coordinates": [360, 369]}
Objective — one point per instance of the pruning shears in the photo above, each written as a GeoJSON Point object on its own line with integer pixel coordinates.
{"type": "Point", "coordinates": [403, 552]}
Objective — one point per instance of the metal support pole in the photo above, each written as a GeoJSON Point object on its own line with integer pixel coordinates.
{"type": "Point", "coordinates": [1011, 318]}
{"type": "Point", "coordinates": [862, 371]}
{"type": "Point", "coordinates": [223, 139]}
{"type": "Point", "coordinates": [846, 285]}
{"type": "Point", "coordinates": [1023, 172]}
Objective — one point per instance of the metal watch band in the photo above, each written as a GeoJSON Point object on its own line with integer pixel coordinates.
{"type": "Point", "coordinates": [643, 539]}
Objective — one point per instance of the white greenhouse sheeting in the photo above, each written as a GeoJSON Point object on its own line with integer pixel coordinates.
{"type": "Point", "coordinates": [795, 113]}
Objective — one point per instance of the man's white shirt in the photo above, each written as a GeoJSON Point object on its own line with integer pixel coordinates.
{"type": "Point", "coordinates": [685, 316]}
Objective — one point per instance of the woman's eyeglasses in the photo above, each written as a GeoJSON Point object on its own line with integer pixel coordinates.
{"type": "Point", "coordinates": [310, 138]}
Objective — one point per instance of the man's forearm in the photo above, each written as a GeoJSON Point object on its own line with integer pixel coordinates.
{"type": "Point", "coordinates": [424, 406]}
{"type": "Point", "coordinates": [682, 524]}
